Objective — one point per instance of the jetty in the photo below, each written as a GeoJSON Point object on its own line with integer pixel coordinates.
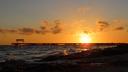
{"type": "Point", "coordinates": [21, 42]}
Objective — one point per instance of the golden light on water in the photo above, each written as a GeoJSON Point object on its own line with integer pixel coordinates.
{"type": "Point", "coordinates": [84, 38]}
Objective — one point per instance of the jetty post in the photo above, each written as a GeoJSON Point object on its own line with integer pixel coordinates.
{"type": "Point", "coordinates": [18, 43]}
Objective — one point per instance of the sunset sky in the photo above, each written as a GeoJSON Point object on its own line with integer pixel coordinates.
{"type": "Point", "coordinates": [55, 21]}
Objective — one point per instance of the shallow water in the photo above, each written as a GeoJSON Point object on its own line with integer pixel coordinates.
{"type": "Point", "coordinates": [31, 53]}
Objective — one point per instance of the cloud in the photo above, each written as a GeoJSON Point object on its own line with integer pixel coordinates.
{"type": "Point", "coordinates": [38, 31]}
{"type": "Point", "coordinates": [119, 28]}
{"type": "Point", "coordinates": [47, 27]}
{"type": "Point", "coordinates": [102, 25]}
{"type": "Point", "coordinates": [45, 23]}
{"type": "Point", "coordinates": [120, 21]}
{"type": "Point", "coordinates": [26, 31]}
{"type": "Point", "coordinates": [11, 31]}
{"type": "Point", "coordinates": [43, 30]}
{"type": "Point", "coordinates": [113, 25]}
{"type": "Point", "coordinates": [56, 28]}
{"type": "Point", "coordinates": [120, 24]}
{"type": "Point", "coordinates": [87, 32]}
{"type": "Point", "coordinates": [8, 31]}
{"type": "Point", "coordinates": [1, 31]}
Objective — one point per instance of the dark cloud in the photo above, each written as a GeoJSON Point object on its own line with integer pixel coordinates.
{"type": "Point", "coordinates": [44, 25]}
{"type": "Point", "coordinates": [11, 31]}
{"type": "Point", "coordinates": [102, 25]}
{"type": "Point", "coordinates": [26, 31]}
{"type": "Point", "coordinates": [43, 30]}
{"type": "Point", "coordinates": [86, 32]}
{"type": "Point", "coordinates": [8, 31]}
{"type": "Point", "coordinates": [56, 28]}
{"type": "Point", "coordinates": [1, 31]}
{"type": "Point", "coordinates": [38, 31]}
{"type": "Point", "coordinates": [48, 27]}
{"type": "Point", "coordinates": [119, 28]}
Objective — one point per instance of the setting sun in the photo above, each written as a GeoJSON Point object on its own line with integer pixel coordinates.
{"type": "Point", "coordinates": [85, 38]}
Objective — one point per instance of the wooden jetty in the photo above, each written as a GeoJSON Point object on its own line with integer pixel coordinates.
{"type": "Point", "coordinates": [21, 42]}
{"type": "Point", "coordinates": [58, 44]}
{"type": "Point", "coordinates": [66, 44]}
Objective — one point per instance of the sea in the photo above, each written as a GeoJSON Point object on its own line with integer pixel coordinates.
{"type": "Point", "coordinates": [37, 52]}
{"type": "Point", "coordinates": [33, 52]}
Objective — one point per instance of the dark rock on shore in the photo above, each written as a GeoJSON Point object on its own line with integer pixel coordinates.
{"type": "Point", "coordinates": [21, 66]}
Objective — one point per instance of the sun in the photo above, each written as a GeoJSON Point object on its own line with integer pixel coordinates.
{"type": "Point", "coordinates": [84, 38]}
